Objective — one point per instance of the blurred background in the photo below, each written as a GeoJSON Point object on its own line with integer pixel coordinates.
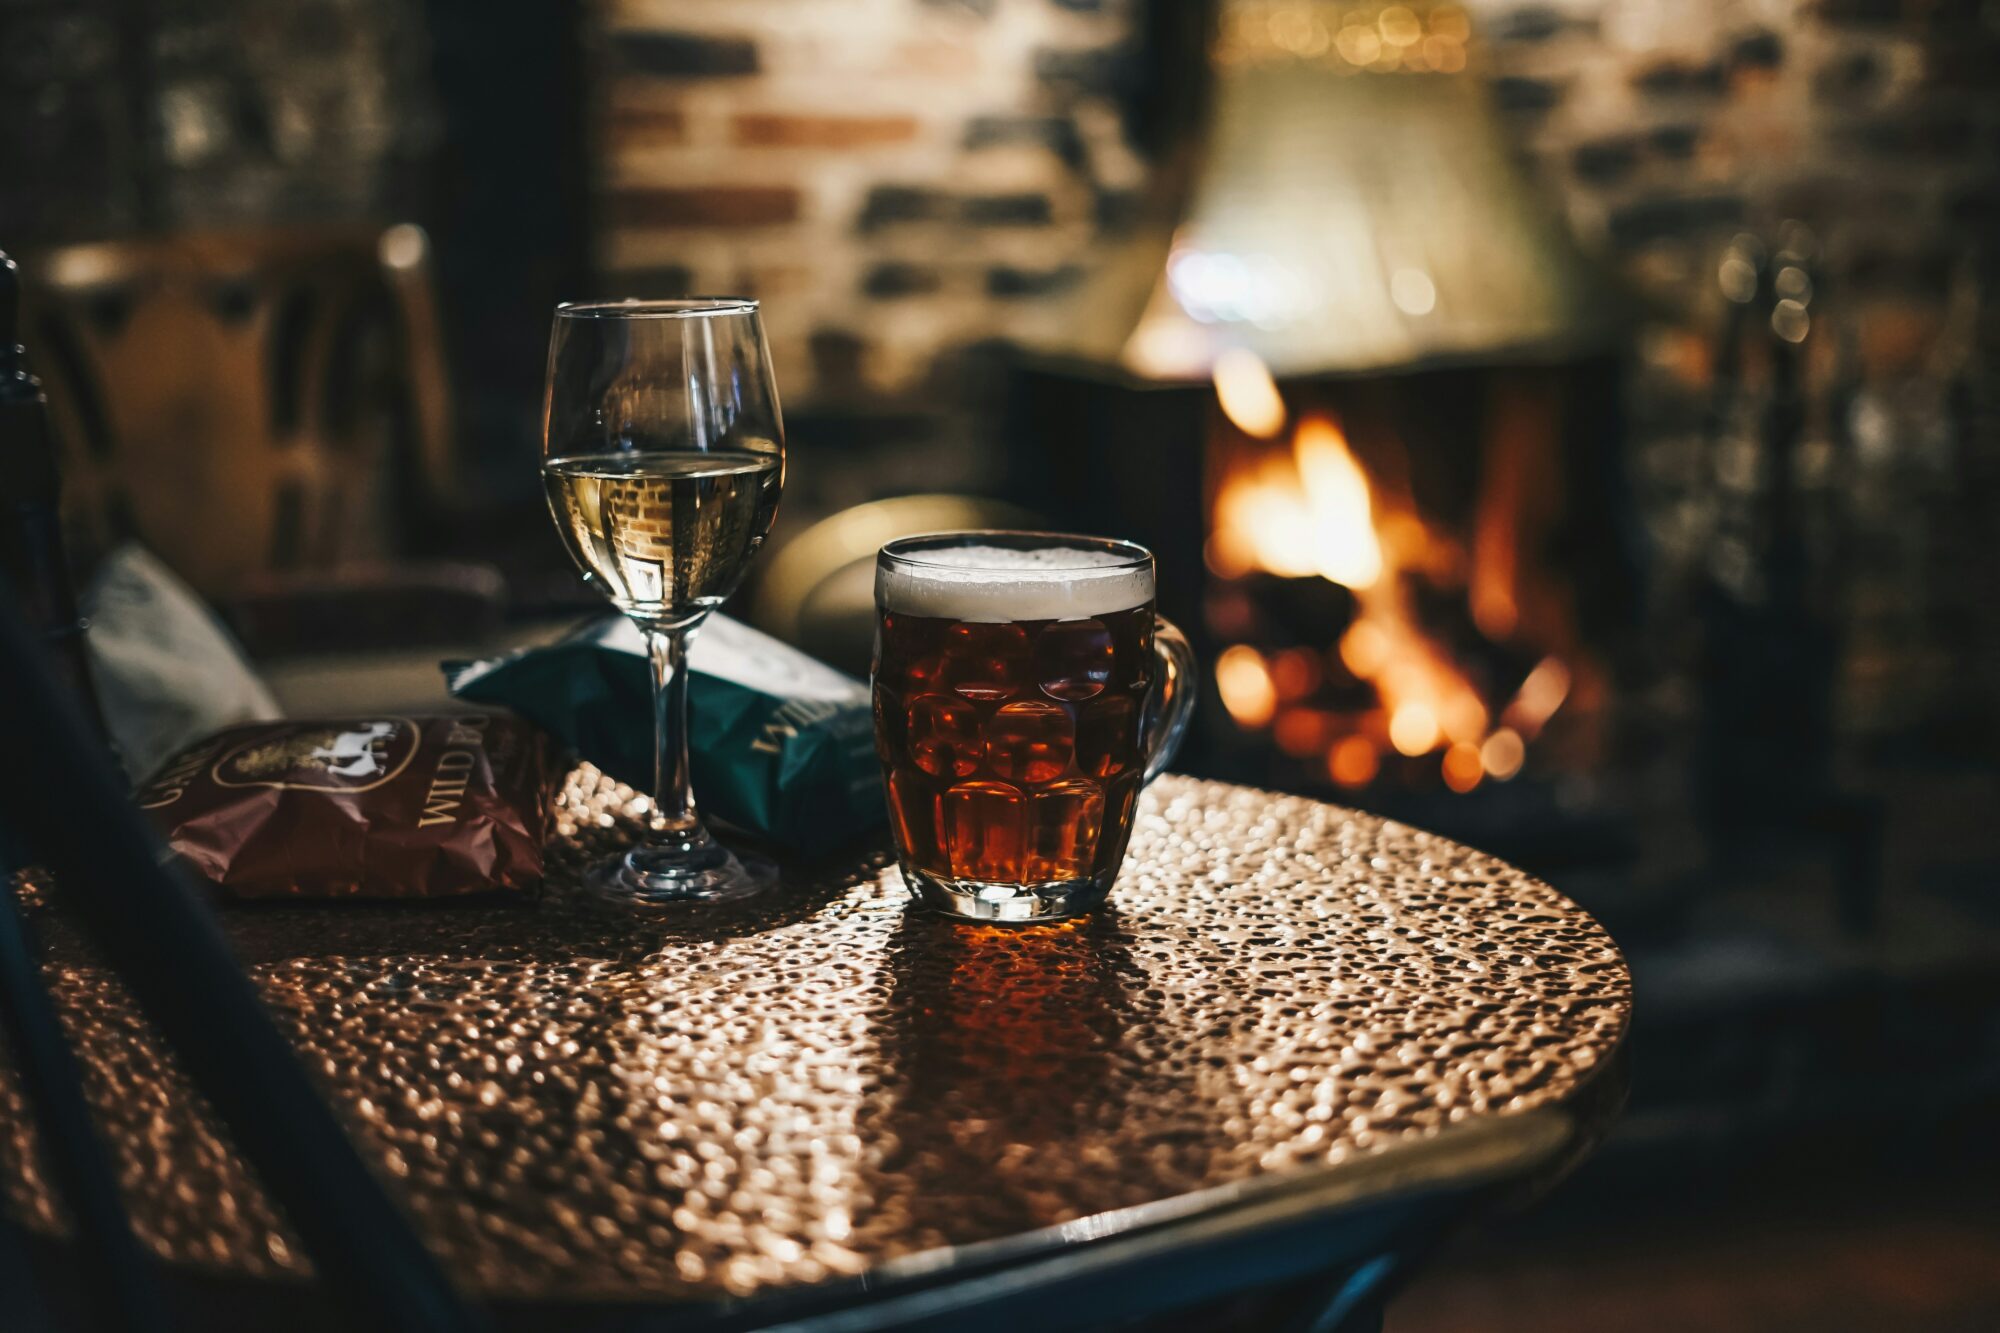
{"type": "Point", "coordinates": [1572, 426]}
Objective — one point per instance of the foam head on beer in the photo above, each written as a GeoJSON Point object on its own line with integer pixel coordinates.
{"type": "Point", "coordinates": [994, 583]}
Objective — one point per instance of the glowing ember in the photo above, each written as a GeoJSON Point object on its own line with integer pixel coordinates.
{"type": "Point", "coordinates": [1464, 718]}
{"type": "Point", "coordinates": [1245, 685]}
{"type": "Point", "coordinates": [1538, 698]}
{"type": "Point", "coordinates": [1295, 672]}
{"type": "Point", "coordinates": [1353, 762]}
{"type": "Point", "coordinates": [1462, 767]}
{"type": "Point", "coordinates": [1413, 729]}
{"type": "Point", "coordinates": [1503, 753]}
{"type": "Point", "coordinates": [1301, 732]}
{"type": "Point", "coordinates": [1364, 649]}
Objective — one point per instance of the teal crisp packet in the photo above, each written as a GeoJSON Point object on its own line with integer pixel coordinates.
{"type": "Point", "coordinates": [781, 745]}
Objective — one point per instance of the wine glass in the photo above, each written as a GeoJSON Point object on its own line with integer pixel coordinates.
{"type": "Point", "coordinates": [663, 456]}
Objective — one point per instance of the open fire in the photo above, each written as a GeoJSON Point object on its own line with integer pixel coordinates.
{"type": "Point", "coordinates": [1452, 657]}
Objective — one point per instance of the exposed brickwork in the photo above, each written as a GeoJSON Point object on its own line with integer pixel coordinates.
{"type": "Point", "coordinates": [683, 54]}
{"type": "Point", "coordinates": [898, 178]}
{"type": "Point", "coordinates": [887, 205]}
{"type": "Point", "coordinates": [706, 206]}
{"type": "Point", "coordinates": [1005, 280]}
{"type": "Point", "coordinates": [639, 127]}
{"type": "Point", "coordinates": [767, 130]}
{"type": "Point", "coordinates": [1675, 126]}
{"type": "Point", "coordinates": [894, 278]}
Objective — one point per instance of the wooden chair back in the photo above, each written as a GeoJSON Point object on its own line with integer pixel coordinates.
{"type": "Point", "coordinates": [244, 402]}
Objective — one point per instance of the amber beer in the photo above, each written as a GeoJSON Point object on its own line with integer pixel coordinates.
{"type": "Point", "coordinates": [1016, 717]}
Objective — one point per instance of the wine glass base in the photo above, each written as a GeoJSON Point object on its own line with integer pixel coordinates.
{"type": "Point", "coordinates": [648, 879]}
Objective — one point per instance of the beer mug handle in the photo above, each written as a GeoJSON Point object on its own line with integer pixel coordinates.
{"type": "Point", "coordinates": [1171, 705]}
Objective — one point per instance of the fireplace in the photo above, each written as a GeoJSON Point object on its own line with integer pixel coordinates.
{"type": "Point", "coordinates": [1415, 587]}
{"type": "Point", "coordinates": [1360, 394]}
{"type": "Point", "coordinates": [1389, 580]}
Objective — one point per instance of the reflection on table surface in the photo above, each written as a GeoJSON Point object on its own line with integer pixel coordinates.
{"type": "Point", "coordinates": [574, 1103]}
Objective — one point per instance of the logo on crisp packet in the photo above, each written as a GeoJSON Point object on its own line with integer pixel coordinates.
{"type": "Point", "coordinates": [346, 756]}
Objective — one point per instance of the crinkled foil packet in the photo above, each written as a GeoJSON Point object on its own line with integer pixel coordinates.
{"type": "Point", "coordinates": [781, 745]}
{"type": "Point", "coordinates": [360, 808]}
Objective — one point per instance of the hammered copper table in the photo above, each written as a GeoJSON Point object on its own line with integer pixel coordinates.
{"type": "Point", "coordinates": [829, 1084]}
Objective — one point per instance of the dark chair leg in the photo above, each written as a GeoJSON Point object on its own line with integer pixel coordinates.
{"type": "Point", "coordinates": [21, 1307]}
{"type": "Point", "coordinates": [123, 1291]}
{"type": "Point", "coordinates": [70, 813]}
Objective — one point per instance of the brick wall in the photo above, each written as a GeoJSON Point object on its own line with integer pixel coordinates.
{"type": "Point", "coordinates": [896, 178]}
{"type": "Point", "coordinates": [1666, 125]}
{"type": "Point", "coordinates": [1665, 128]}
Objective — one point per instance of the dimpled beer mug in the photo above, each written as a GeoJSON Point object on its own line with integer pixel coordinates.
{"type": "Point", "coordinates": [1024, 692]}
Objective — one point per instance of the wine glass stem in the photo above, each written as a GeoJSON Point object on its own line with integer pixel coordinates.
{"type": "Point", "coordinates": [673, 795]}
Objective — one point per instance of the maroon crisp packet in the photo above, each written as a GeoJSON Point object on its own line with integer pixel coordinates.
{"type": "Point", "coordinates": [389, 807]}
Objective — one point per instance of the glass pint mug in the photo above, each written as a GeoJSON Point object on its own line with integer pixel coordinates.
{"type": "Point", "coordinates": [1024, 692]}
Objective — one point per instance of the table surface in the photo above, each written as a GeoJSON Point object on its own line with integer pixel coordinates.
{"type": "Point", "coordinates": [575, 1105]}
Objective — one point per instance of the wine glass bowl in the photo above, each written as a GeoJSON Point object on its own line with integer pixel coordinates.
{"type": "Point", "coordinates": [665, 535]}
{"type": "Point", "coordinates": [663, 459]}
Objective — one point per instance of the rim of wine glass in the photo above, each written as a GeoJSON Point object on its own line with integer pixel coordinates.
{"type": "Point", "coordinates": [893, 552]}
{"type": "Point", "coordinates": [683, 307]}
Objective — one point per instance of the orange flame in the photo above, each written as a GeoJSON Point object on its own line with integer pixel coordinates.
{"type": "Point", "coordinates": [1336, 496]}
{"type": "Point", "coordinates": [1245, 685]}
{"type": "Point", "coordinates": [1310, 511]}
{"type": "Point", "coordinates": [1538, 698]}
{"type": "Point", "coordinates": [1247, 393]}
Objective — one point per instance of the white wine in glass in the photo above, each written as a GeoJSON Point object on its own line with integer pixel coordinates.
{"type": "Point", "coordinates": [663, 534]}
{"type": "Point", "coordinates": [663, 458]}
